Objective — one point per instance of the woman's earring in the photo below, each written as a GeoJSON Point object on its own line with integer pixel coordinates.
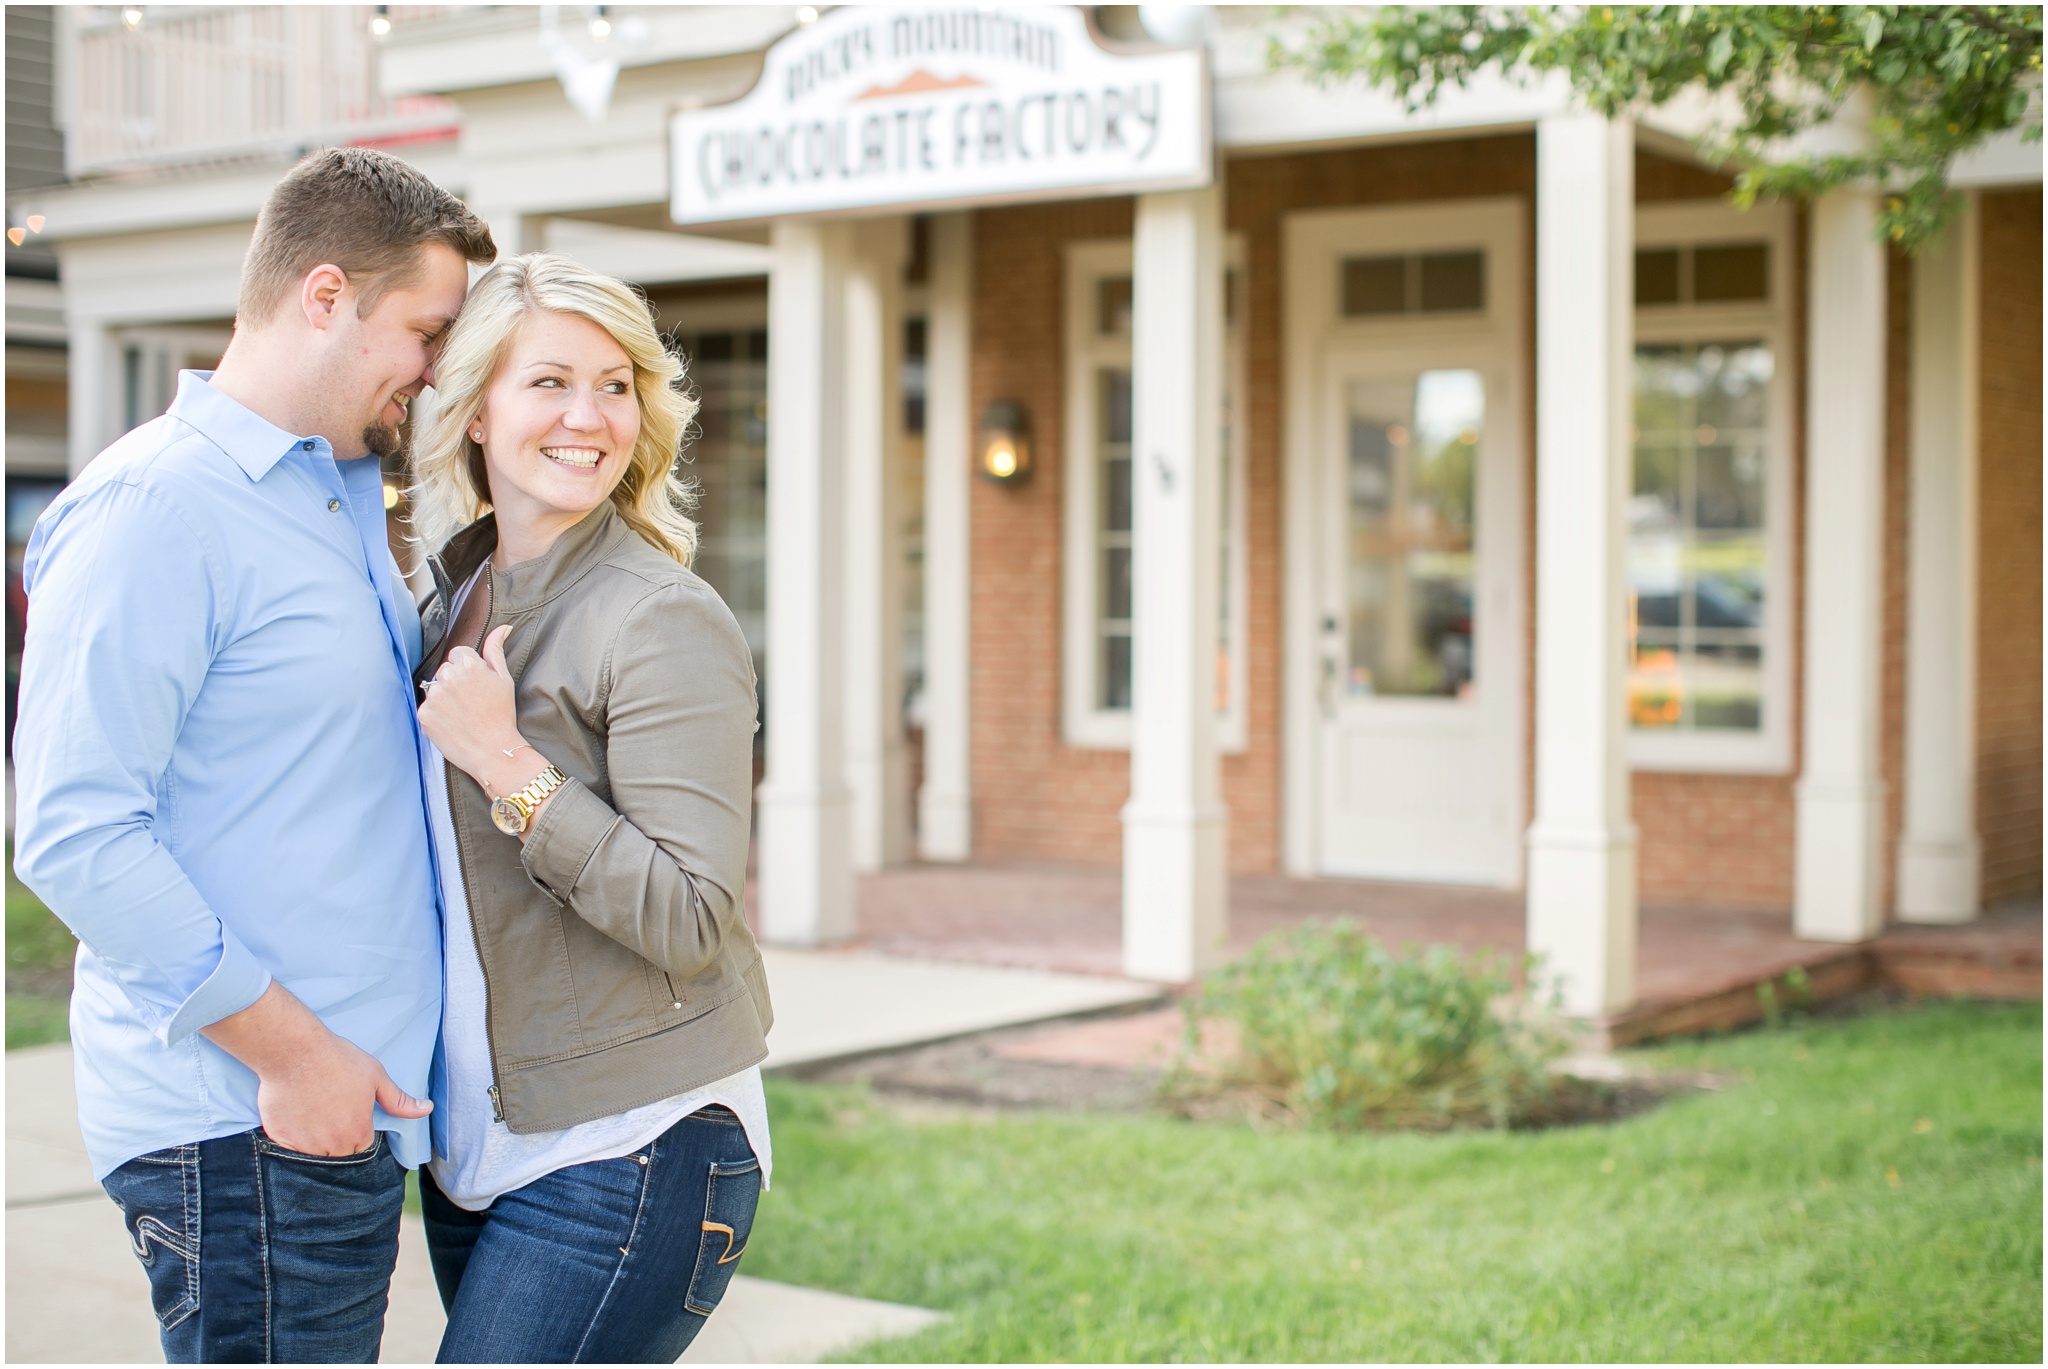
{"type": "Point", "coordinates": [476, 435]}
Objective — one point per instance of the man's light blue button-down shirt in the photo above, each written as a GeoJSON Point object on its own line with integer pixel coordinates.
{"type": "Point", "coordinates": [217, 768]}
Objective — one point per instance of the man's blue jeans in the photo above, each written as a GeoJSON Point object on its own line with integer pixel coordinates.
{"type": "Point", "coordinates": [258, 1254]}
{"type": "Point", "coordinates": [614, 1261]}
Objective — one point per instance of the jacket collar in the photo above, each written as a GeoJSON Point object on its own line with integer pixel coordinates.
{"type": "Point", "coordinates": [530, 584]}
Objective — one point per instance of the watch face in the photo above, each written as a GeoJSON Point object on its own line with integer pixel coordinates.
{"type": "Point", "coordinates": [510, 820]}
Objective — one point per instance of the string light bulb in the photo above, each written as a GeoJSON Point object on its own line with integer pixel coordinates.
{"type": "Point", "coordinates": [601, 24]}
{"type": "Point", "coordinates": [380, 23]}
{"type": "Point", "coordinates": [807, 15]}
{"type": "Point", "coordinates": [132, 17]}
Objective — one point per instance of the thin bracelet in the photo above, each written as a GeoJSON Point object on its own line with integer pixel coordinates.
{"type": "Point", "coordinates": [510, 752]}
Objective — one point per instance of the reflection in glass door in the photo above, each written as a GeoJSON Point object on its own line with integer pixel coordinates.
{"type": "Point", "coordinates": [1413, 447]}
{"type": "Point", "coordinates": [1418, 765]}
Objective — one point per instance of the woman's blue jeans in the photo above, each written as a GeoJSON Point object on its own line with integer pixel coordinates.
{"type": "Point", "coordinates": [614, 1261]}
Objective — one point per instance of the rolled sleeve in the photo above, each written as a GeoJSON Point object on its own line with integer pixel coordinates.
{"type": "Point", "coordinates": [237, 981]}
{"type": "Point", "coordinates": [562, 842]}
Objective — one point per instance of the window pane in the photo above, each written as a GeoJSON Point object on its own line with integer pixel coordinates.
{"type": "Point", "coordinates": [1116, 583]}
{"type": "Point", "coordinates": [1113, 539]}
{"type": "Point", "coordinates": [1113, 306]}
{"type": "Point", "coordinates": [1698, 563]}
{"type": "Point", "coordinates": [1116, 671]}
{"type": "Point", "coordinates": [1731, 271]}
{"type": "Point", "coordinates": [1413, 456]}
{"type": "Point", "coordinates": [1116, 405]}
{"type": "Point", "coordinates": [1657, 275]}
{"type": "Point", "coordinates": [1453, 281]}
{"type": "Point", "coordinates": [1375, 285]}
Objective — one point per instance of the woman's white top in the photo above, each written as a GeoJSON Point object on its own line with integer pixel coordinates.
{"type": "Point", "coordinates": [485, 1159]}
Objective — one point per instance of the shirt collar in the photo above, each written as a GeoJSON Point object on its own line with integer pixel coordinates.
{"type": "Point", "coordinates": [255, 444]}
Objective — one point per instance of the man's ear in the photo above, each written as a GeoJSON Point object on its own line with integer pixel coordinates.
{"type": "Point", "coordinates": [322, 294]}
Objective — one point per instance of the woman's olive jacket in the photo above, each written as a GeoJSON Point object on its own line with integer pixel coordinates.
{"type": "Point", "coordinates": [618, 968]}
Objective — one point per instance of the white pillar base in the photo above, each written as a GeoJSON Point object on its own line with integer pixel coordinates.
{"type": "Point", "coordinates": [1835, 883]}
{"type": "Point", "coordinates": [1939, 880]}
{"type": "Point", "coordinates": [945, 826]}
{"type": "Point", "coordinates": [806, 868]}
{"type": "Point", "coordinates": [1176, 908]}
{"type": "Point", "coordinates": [1593, 957]}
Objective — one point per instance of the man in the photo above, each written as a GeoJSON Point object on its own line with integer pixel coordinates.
{"type": "Point", "coordinates": [219, 788]}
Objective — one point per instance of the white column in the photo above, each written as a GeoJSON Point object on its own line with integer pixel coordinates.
{"type": "Point", "coordinates": [1840, 795]}
{"type": "Point", "coordinates": [93, 388]}
{"type": "Point", "coordinates": [1582, 844]}
{"type": "Point", "coordinates": [877, 770]}
{"type": "Point", "coordinates": [945, 827]}
{"type": "Point", "coordinates": [1940, 855]}
{"type": "Point", "coordinates": [806, 862]}
{"type": "Point", "coordinates": [1175, 893]}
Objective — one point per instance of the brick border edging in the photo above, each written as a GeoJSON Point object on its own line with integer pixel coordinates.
{"type": "Point", "coordinates": [1829, 976]}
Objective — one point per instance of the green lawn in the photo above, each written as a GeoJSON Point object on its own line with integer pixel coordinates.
{"type": "Point", "coordinates": [39, 952]}
{"type": "Point", "coordinates": [1871, 1189]}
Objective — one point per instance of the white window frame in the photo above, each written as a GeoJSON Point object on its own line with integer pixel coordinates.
{"type": "Point", "coordinates": [1692, 223]}
{"type": "Point", "coordinates": [1082, 723]}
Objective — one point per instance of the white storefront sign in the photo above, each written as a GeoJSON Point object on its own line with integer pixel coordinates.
{"type": "Point", "coordinates": [882, 106]}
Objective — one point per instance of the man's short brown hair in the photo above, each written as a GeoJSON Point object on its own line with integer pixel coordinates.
{"type": "Point", "coordinates": [368, 213]}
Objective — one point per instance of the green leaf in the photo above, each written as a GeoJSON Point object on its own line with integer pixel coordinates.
{"type": "Point", "coordinates": [1719, 51]}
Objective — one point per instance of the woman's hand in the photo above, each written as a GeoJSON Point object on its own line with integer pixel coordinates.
{"type": "Point", "coordinates": [470, 714]}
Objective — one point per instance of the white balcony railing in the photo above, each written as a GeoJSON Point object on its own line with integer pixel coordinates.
{"type": "Point", "coordinates": [189, 85]}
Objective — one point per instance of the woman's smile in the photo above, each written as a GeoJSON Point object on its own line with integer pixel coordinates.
{"type": "Point", "coordinates": [575, 458]}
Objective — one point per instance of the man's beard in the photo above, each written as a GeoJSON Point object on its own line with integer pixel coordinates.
{"type": "Point", "coordinates": [383, 441]}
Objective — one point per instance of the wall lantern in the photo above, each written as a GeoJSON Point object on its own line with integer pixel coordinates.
{"type": "Point", "coordinates": [1003, 448]}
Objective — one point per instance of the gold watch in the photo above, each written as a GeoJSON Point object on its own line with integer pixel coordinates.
{"type": "Point", "coordinates": [513, 812]}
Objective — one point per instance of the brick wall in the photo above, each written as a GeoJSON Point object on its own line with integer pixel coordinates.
{"type": "Point", "coordinates": [1034, 797]}
{"type": "Point", "coordinates": [1898, 499]}
{"type": "Point", "coordinates": [2009, 546]}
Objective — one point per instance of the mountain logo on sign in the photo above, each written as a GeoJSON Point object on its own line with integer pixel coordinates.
{"type": "Point", "coordinates": [919, 82]}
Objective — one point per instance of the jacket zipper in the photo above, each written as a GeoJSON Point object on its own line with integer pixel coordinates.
{"type": "Point", "coordinates": [468, 893]}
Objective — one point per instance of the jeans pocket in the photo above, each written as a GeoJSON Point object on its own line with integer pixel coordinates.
{"type": "Point", "coordinates": [158, 1195]}
{"type": "Point", "coordinates": [731, 1193]}
{"type": "Point", "coordinates": [361, 1157]}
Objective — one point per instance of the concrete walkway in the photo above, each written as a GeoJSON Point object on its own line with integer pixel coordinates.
{"type": "Point", "coordinates": [76, 1295]}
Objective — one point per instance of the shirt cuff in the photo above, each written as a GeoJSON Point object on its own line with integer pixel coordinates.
{"type": "Point", "coordinates": [236, 982]}
{"type": "Point", "coordinates": [567, 835]}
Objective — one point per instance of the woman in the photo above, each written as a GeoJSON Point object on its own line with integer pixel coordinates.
{"type": "Point", "coordinates": [601, 1134]}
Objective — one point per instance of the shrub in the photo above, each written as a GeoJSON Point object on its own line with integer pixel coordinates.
{"type": "Point", "coordinates": [1334, 1030]}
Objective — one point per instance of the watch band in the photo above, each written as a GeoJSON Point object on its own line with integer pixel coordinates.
{"type": "Point", "coordinates": [522, 804]}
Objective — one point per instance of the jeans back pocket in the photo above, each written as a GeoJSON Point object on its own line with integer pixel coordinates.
{"type": "Point", "coordinates": [158, 1195]}
{"type": "Point", "coordinates": [731, 1194]}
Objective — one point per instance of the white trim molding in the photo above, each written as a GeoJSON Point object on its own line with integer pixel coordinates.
{"type": "Point", "coordinates": [1941, 856]}
{"type": "Point", "coordinates": [945, 829]}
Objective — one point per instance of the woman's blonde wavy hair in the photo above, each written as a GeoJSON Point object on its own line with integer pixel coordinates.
{"type": "Point", "coordinates": [451, 488]}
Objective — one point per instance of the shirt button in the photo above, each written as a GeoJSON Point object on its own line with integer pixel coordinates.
{"type": "Point", "coordinates": [306, 446]}
{"type": "Point", "coordinates": [334, 506]}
